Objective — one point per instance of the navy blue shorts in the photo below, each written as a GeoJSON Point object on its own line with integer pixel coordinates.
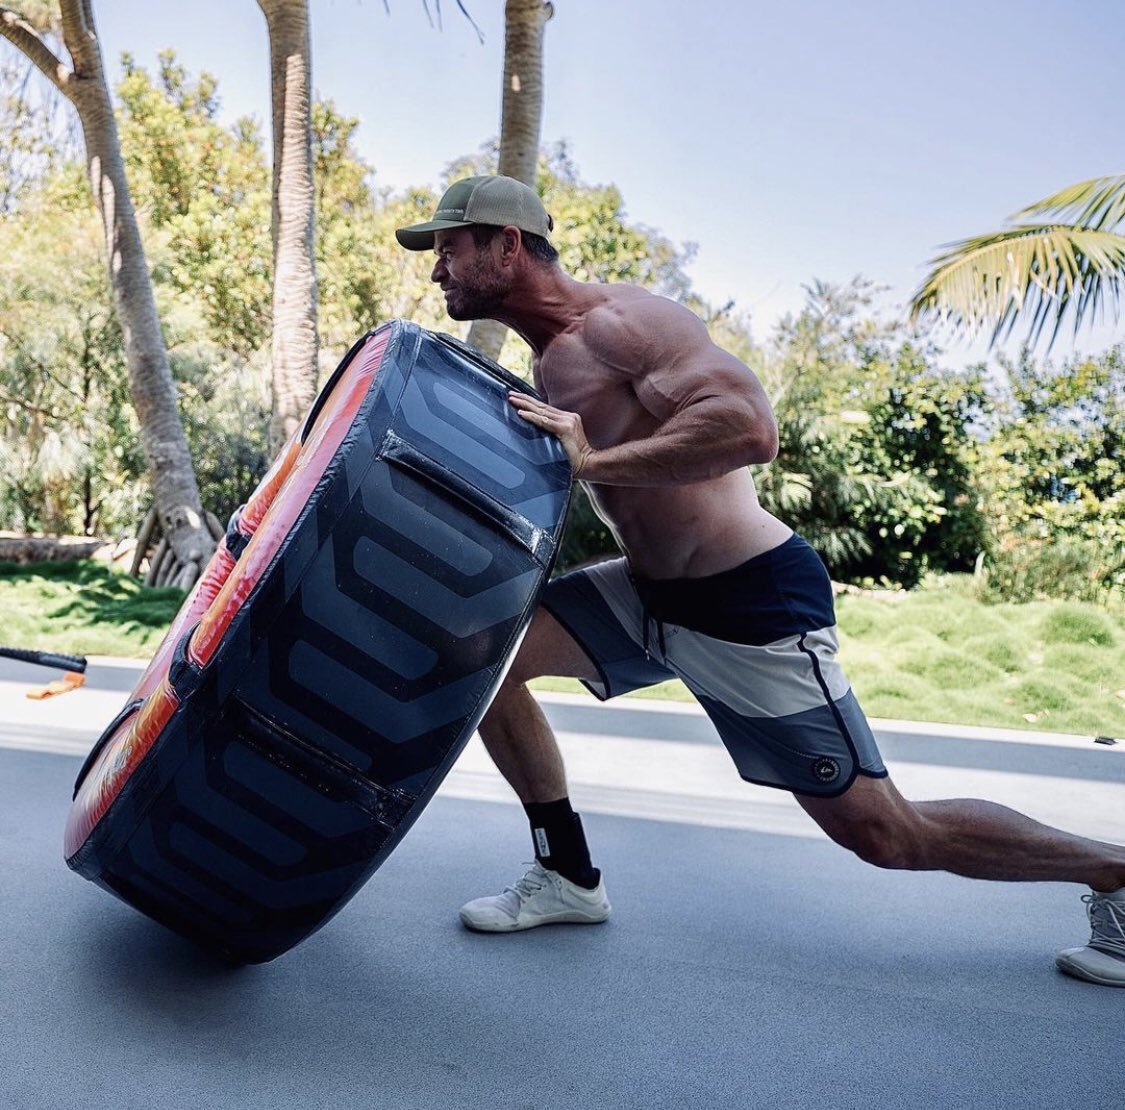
{"type": "Point", "coordinates": [757, 647]}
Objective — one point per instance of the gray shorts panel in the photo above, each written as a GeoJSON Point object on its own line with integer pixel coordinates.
{"type": "Point", "coordinates": [784, 710]}
{"type": "Point", "coordinates": [576, 603]}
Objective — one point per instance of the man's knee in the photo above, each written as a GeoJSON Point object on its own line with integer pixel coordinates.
{"type": "Point", "coordinates": [876, 822]}
{"type": "Point", "coordinates": [891, 837]}
{"type": "Point", "coordinates": [882, 845]}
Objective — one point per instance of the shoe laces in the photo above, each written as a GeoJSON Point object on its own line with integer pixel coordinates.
{"type": "Point", "coordinates": [1107, 923]}
{"type": "Point", "coordinates": [530, 884]}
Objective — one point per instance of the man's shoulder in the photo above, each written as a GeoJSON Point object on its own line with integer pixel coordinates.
{"type": "Point", "coordinates": [626, 300]}
{"type": "Point", "coordinates": [627, 322]}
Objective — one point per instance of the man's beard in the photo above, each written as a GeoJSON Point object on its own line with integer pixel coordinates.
{"type": "Point", "coordinates": [479, 297]}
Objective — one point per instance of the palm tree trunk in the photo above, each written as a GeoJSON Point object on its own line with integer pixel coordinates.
{"type": "Point", "coordinates": [295, 342]}
{"type": "Point", "coordinates": [151, 387]}
{"type": "Point", "coordinates": [521, 117]}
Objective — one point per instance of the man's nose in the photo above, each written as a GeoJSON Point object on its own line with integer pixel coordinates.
{"type": "Point", "coordinates": [438, 271]}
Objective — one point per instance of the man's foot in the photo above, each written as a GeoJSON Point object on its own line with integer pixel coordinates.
{"type": "Point", "coordinates": [1102, 960]}
{"type": "Point", "coordinates": [541, 897]}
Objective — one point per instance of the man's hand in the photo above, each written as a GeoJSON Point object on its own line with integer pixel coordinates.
{"type": "Point", "coordinates": [566, 426]}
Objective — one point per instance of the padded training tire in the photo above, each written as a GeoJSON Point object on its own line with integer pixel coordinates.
{"type": "Point", "coordinates": [338, 652]}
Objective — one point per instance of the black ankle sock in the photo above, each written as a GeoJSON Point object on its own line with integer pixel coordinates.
{"type": "Point", "coordinates": [560, 843]}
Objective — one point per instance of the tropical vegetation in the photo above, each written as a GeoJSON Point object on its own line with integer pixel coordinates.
{"type": "Point", "coordinates": [1061, 258]}
{"type": "Point", "coordinates": [895, 466]}
{"type": "Point", "coordinates": [61, 42]}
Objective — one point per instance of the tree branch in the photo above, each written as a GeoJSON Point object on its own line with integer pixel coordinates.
{"type": "Point", "coordinates": [8, 399]}
{"type": "Point", "coordinates": [75, 22]}
{"type": "Point", "coordinates": [473, 23]}
{"type": "Point", "coordinates": [27, 41]}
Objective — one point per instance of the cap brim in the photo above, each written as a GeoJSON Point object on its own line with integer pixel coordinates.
{"type": "Point", "coordinates": [420, 237]}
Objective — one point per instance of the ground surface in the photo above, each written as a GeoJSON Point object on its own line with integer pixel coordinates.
{"type": "Point", "coordinates": [742, 967]}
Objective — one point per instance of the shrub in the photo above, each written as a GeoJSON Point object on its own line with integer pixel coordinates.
{"type": "Point", "coordinates": [1025, 569]}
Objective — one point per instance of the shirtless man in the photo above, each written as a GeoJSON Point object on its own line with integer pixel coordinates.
{"type": "Point", "coordinates": [661, 425]}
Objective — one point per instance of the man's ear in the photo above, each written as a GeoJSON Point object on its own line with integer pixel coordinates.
{"type": "Point", "coordinates": [511, 244]}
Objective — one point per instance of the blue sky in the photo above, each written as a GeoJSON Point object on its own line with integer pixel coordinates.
{"type": "Point", "coordinates": [793, 141]}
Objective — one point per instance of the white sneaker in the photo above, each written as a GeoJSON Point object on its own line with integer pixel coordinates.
{"type": "Point", "coordinates": [1102, 960]}
{"type": "Point", "coordinates": [541, 897]}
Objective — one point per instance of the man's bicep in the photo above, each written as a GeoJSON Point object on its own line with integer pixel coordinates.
{"type": "Point", "coordinates": [689, 367]}
{"type": "Point", "coordinates": [667, 354]}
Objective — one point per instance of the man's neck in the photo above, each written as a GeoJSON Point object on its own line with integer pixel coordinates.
{"type": "Point", "coordinates": [543, 306]}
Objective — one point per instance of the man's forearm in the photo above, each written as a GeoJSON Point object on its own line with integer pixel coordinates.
{"type": "Point", "coordinates": [694, 446]}
{"type": "Point", "coordinates": [704, 440]}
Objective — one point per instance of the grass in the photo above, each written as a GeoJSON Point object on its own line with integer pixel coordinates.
{"type": "Point", "coordinates": [82, 608]}
{"type": "Point", "coordinates": [940, 655]}
{"type": "Point", "coordinates": [931, 655]}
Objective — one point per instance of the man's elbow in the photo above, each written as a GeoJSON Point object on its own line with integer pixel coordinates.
{"type": "Point", "coordinates": [761, 442]}
{"type": "Point", "coordinates": [767, 446]}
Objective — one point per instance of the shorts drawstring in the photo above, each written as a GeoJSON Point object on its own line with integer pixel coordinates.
{"type": "Point", "coordinates": [646, 616]}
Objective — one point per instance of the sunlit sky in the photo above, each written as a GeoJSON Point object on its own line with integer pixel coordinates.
{"type": "Point", "coordinates": [790, 141]}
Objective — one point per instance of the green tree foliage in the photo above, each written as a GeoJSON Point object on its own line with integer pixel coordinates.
{"type": "Point", "coordinates": [877, 449]}
{"type": "Point", "coordinates": [806, 370]}
{"type": "Point", "coordinates": [204, 189]}
{"type": "Point", "coordinates": [918, 437]}
{"type": "Point", "coordinates": [38, 134]}
{"type": "Point", "coordinates": [595, 239]}
{"type": "Point", "coordinates": [63, 44]}
{"type": "Point", "coordinates": [204, 192]}
{"type": "Point", "coordinates": [1054, 480]}
{"type": "Point", "coordinates": [891, 464]}
{"type": "Point", "coordinates": [364, 277]}
{"type": "Point", "coordinates": [70, 459]}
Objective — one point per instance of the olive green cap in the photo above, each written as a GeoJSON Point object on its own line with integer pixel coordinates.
{"type": "Point", "coordinates": [496, 200]}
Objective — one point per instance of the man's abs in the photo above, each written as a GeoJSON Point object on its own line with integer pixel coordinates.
{"type": "Point", "coordinates": [689, 531]}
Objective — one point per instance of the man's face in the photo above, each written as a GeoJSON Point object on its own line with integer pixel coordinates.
{"type": "Point", "coordinates": [472, 281]}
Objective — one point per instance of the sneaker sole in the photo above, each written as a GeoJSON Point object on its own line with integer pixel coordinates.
{"type": "Point", "coordinates": [1076, 970]}
{"type": "Point", "coordinates": [564, 918]}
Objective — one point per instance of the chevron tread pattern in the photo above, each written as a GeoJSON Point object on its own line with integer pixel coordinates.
{"type": "Point", "coordinates": [357, 668]}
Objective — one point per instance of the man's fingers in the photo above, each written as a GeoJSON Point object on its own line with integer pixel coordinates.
{"type": "Point", "coordinates": [526, 404]}
{"type": "Point", "coordinates": [533, 414]}
{"type": "Point", "coordinates": [567, 426]}
{"type": "Point", "coordinates": [535, 411]}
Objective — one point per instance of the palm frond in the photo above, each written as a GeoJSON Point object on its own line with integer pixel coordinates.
{"type": "Point", "coordinates": [1033, 272]}
{"type": "Point", "coordinates": [1095, 205]}
{"type": "Point", "coordinates": [838, 545]}
{"type": "Point", "coordinates": [783, 491]}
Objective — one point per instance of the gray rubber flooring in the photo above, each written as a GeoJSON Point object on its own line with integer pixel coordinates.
{"type": "Point", "coordinates": [740, 969]}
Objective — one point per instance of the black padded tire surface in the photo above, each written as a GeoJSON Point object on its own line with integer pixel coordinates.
{"type": "Point", "coordinates": [351, 677]}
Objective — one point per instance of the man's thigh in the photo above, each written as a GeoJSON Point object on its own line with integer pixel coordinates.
{"type": "Point", "coordinates": [601, 613]}
{"type": "Point", "coordinates": [784, 709]}
{"type": "Point", "coordinates": [548, 649]}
